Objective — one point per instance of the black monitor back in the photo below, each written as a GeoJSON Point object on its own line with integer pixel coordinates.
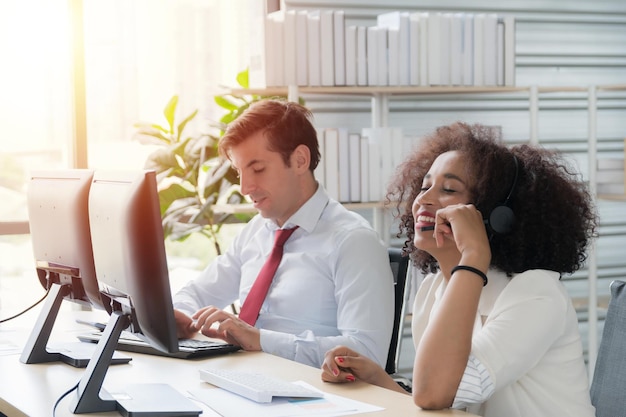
{"type": "Point", "coordinates": [129, 253]}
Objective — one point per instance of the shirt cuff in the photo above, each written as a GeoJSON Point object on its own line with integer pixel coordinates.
{"type": "Point", "coordinates": [277, 343]}
{"type": "Point", "coordinates": [476, 385]}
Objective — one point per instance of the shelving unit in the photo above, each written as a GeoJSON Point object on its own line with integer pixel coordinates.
{"type": "Point", "coordinates": [373, 90]}
{"type": "Point", "coordinates": [381, 97]}
{"type": "Point", "coordinates": [592, 258]}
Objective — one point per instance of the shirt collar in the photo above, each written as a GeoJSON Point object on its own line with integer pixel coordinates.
{"type": "Point", "coordinates": [308, 214]}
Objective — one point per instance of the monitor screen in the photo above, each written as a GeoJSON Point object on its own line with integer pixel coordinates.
{"type": "Point", "coordinates": [59, 226]}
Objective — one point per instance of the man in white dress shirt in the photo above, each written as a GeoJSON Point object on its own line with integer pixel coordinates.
{"type": "Point", "coordinates": [334, 285]}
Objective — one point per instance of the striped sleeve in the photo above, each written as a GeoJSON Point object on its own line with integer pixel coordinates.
{"type": "Point", "coordinates": [476, 385]}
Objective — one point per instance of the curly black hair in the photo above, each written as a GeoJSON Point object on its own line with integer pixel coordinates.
{"type": "Point", "coordinates": [555, 215]}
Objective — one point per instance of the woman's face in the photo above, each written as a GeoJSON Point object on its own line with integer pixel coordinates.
{"type": "Point", "coordinates": [445, 183]}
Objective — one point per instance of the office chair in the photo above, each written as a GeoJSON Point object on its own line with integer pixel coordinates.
{"type": "Point", "coordinates": [609, 378]}
{"type": "Point", "coordinates": [400, 268]}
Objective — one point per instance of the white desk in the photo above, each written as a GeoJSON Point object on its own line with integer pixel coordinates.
{"type": "Point", "coordinates": [31, 390]}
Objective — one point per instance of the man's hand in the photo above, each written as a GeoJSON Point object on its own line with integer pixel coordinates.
{"type": "Point", "coordinates": [184, 325]}
{"type": "Point", "coordinates": [217, 323]}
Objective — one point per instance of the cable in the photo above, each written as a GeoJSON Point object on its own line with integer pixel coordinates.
{"type": "Point", "coordinates": [27, 309]}
{"type": "Point", "coordinates": [65, 394]}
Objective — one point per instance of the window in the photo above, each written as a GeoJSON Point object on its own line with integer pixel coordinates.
{"type": "Point", "coordinates": [136, 56]}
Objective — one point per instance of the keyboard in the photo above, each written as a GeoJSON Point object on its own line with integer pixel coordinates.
{"type": "Point", "coordinates": [187, 348]}
{"type": "Point", "coordinates": [256, 387]}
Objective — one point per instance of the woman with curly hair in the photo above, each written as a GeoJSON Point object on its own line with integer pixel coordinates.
{"type": "Point", "coordinates": [494, 229]}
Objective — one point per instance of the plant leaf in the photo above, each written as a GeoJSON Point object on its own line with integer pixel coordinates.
{"type": "Point", "coordinates": [170, 112]}
{"type": "Point", "coordinates": [175, 193]}
{"type": "Point", "coordinates": [181, 125]}
{"type": "Point", "coordinates": [217, 171]}
{"type": "Point", "coordinates": [149, 127]}
{"type": "Point", "coordinates": [225, 102]}
{"type": "Point", "coordinates": [242, 78]}
{"type": "Point", "coordinates": [181, 231]}
{"type": "Point", "coordinates": [160, 160]}
{"type": "Point", "coordinates": [151, 135]}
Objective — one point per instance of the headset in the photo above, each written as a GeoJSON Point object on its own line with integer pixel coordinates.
{"type": "Point", "coordinates": [501, 219]}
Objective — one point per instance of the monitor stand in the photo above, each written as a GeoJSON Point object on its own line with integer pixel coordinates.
{"type": "Point", "coordinates": [35, 348]}
{"type": "Point", "coordinates": [36, 351]}
{"type": "Point", "coordinates": [139, 400]}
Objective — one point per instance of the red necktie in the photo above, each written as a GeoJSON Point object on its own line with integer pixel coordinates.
{"type": "Point", "coordinates": [251, 307]}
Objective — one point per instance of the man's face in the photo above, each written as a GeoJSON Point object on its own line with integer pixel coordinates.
{"type": "Point", "coordinates": [271, 185]}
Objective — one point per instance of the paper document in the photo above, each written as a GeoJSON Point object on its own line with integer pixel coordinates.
{"type": "Point", "coordinates": [228, 404]}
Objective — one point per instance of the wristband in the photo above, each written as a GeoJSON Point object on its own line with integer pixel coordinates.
{"type": "Point", "coordinates": [471, 269]}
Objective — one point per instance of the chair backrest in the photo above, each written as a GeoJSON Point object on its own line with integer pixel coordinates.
{"type": "Point", "coordinates": [399, 267]}
{"type": "Point", "coordinates": [608, 388]}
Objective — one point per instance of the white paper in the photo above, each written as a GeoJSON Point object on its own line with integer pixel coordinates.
{"type": "Point", "coordinates": [228, 404]}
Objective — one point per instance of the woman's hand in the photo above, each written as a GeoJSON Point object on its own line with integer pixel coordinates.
{"type": "Point", "coordinates": [342, 364]}
{"type": "Point", "coordinates": [464, 224]}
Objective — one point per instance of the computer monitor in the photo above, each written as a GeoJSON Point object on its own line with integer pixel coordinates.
{"type": "Point", "coordinates": [131, 265]}
{"type": "Point", "coordinates": [59, 227]}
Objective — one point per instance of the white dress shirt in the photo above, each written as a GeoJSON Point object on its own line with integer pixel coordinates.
{"type": "Point", "coordinates": [526, 339]}
{"type": "Point", "coordinates": [334, 285]}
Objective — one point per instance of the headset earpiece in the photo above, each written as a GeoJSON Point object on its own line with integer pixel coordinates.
{"type": "Point", "coordinates": [502, 218]}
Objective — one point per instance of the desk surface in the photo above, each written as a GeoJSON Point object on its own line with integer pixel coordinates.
{"type": "Point", "coordinates": [31, 390]}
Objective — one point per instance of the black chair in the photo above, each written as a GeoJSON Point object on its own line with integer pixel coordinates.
{"type": "Point", "coordinates": [400, 268]}
{"type": "Point", "coordinates": [609, 379]}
